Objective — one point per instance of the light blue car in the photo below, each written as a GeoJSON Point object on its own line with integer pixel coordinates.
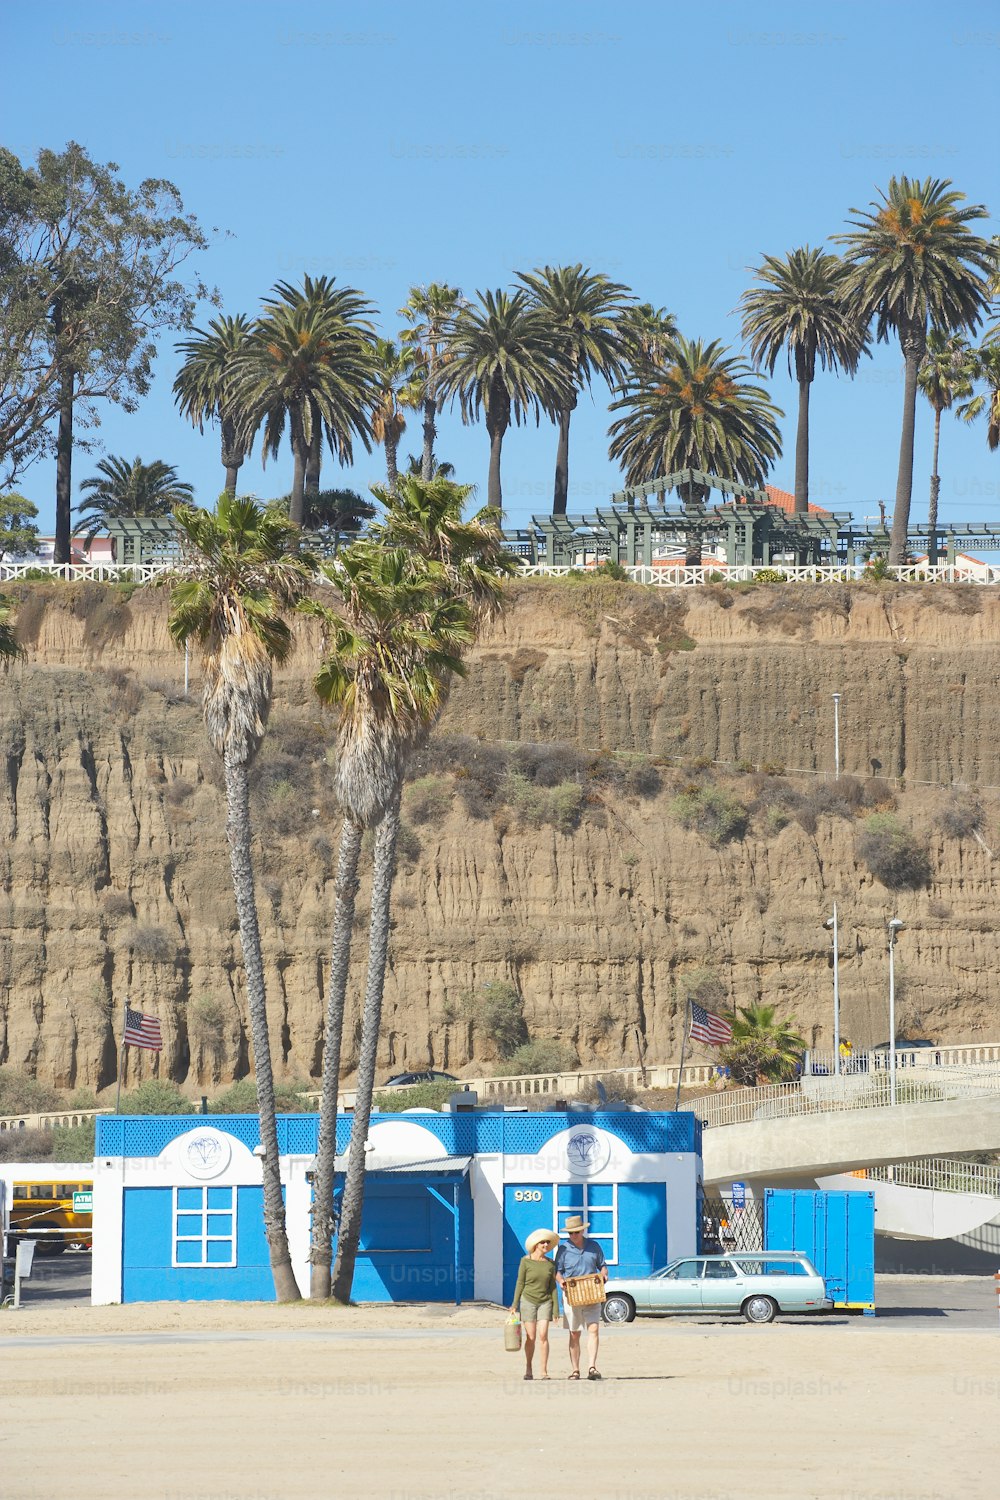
{"type": "Point", "coordinates": [757, 1284]}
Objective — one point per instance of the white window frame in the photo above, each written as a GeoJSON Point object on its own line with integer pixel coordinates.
{"type": "Point", "coordinates": [607, 1241]}
{"type": "Point", "coordinates": [204, 1239]}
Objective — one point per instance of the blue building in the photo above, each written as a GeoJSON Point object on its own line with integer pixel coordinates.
{"type": "Point", "coordinates": [449, 1200]}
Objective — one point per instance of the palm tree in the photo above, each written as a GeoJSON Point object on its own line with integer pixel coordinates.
{"type": "Point", "coordinates": [501, 358]}
{"type": "Point", "coordinates": [582, 310]}
{"type": "Point", "coordinates": [396, 389]}
{"type": "Point", "coordinates": [203, 387]}
{"type": "Point", "coordinates": [762, 1046]}
{"type": "Point", "coordinates": [230, 594]}
{"type": "Point", "coordinates": [912, 262]}
{"type": "Point", "coordinates": [700, 411]}
{"type": "Point", "coordinates": [649, 333]}
{"type": "Point", "coordinates": [390, 655]}
{"type": "Point", "coordinates": [987, 369]}
{"type": "Point", "coordinates": [945, 375]}
{"type": "Point", "coordinates": [442, 470]}
{"type": "Point", "coordinates": [431, 312]}
{"type": "Point", "coordinates": [121, 489]}
{"type": "Point", "coordinates": [309, 362]}
{"type": "Point", "coordinates": [799, 308]}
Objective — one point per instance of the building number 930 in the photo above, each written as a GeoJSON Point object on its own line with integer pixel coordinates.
{"type": "Point", "coordinates": [527, 1195]}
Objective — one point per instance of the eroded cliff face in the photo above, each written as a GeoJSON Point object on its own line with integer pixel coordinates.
{"type": "Point", "coordinates": [115, 866]}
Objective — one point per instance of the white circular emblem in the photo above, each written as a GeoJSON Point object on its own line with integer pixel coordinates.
{"type": "Point", "coordinates": [207, 1153]}
{"type": "Point", "coordinates": [587, 1151]}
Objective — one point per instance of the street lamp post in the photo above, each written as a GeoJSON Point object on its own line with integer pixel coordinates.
{"type": "Point", "coordinates": [832, 923]}
{"type": "Point", "coordinates": [836, 736]}
{"type": "Point", "coordinates": [894, 926]}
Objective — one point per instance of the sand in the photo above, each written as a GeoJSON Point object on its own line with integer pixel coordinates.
{"type": "Point", "coordinates": [248, 1402]}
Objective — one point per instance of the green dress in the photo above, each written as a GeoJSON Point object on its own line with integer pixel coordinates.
{"type": "Point", "coordinates": [536, 1282]}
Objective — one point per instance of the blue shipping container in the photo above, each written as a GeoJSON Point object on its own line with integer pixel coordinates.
{"type": "Point", "coordinates": [836, 1231]}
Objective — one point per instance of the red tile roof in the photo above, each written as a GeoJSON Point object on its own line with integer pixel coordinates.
{"type": "Point", "coordinates": [787, 502]}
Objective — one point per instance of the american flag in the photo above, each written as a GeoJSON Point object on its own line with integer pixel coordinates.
{"type": "Point", "coordinates": [706, 1027]}
{"type": "Point", "coordinates": [142, 1031]}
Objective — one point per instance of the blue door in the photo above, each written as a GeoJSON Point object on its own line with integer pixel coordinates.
{"type": "Point", "coordinates": [407, 1249]}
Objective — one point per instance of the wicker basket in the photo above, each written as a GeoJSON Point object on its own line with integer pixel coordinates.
{"type": "Point", "coordinates": [583, 1291]}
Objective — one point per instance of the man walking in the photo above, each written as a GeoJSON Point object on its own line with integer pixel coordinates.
{"type": "Point", "coordinates": [580, 1257]}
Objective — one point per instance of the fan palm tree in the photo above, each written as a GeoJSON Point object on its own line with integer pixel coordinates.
{"type": "Point", "coordinates": [203, 387]}
{"type": "Point", "coordinates": [913, 262]}
{"type": "Point", "coordinates": [799, 308]}
{"type": "Point", "coordinates": [648, 333]}
{"type": "Point", "coordinates": [390, 656]}
{"type": "Point", "coordinates": [415, 468]}
{"type": "Point", "coordinates": [501, 358]}
{"type": "Point", "coordinates": [431, 312]}
{"type": "Point", "coordinates": [700, 411]}
{"type": "Point", "coordinates": [230, 594]}
{"type": "Point", "coordinates": [309, 363]}
{"type": "Point", "coordinates": [121, 489]}
{"type": "Point", "coordinates": [945, 375]}
{"type": "Point", "coordinates": [582, 310]}
{"type": "Point", "coordinates": [988, 401]}
{"type": "Point", "coordinates": [762, 1046]}
{"type": "Point", "coordinates": [396, 389]}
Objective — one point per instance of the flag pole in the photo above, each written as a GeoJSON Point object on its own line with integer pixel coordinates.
{"type": "Point", "coordinates": [121, 1065]}
{"type": "Point", "coordinates": [680, 1070]}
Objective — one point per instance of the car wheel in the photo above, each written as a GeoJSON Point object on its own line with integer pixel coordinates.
{"type": "Point", "coordinates": [619, 1309]}
{"type": "Point", "coordinates": [760, 1309]}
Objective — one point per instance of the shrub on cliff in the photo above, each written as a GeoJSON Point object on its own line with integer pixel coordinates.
{"type": "Point", "coordinates": [543, 1056]}
{"type": "Point", "coordinates": [716, 814]}
{"type": "Point", "coordinates": [241, 1099]}
{"type": "Point", "coordinates": [892, 853]}
{"type": "Point", "coordinates": [156, 1096]}
{"type": "Point", "coordinates": [74, 1142]}
{"type": "Point", "coordinates": [496, 1010]}
{"type": "Point", "coordinates": [960, 817]}
{"type": "Point", "coordinates": [21, 1094]}
{"type": "Point", "coordinates": [26, 1145]}
{"type": "Point", "coordinates": [428, 800]}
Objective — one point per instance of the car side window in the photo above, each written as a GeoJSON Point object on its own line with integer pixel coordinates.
{"type": "Point", "coordinates": [685, 1270]}
{"type": "Point", "coordinates": [719, 1270]}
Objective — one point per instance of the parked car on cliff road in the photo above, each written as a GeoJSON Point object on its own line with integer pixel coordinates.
{"type": "Point", "coordinates": [756, 1284]}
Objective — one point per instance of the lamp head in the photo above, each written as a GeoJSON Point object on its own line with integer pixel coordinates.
{"type": "Point", "coordinates": [828, 924]}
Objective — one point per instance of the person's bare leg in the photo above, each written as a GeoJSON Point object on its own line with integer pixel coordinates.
{"type": "Point", "coordinates": [574, 1352]}
{"type": "Point", "coordinates": [593, 1339]}
{"type": "Point", "coordinates": [529, 1348]}
{"type": "Point", "coordinates": [543, 1350]}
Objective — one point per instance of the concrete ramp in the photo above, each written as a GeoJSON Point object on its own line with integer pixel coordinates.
{"type": "Point", "coordinates": [913, 1213]}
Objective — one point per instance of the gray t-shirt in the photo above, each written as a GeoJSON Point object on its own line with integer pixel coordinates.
{"type": "Point", "coordinates": [584, 1261]}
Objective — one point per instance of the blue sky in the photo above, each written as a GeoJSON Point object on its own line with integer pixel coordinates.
{"type": "Point", "coordinates": [389, 145]}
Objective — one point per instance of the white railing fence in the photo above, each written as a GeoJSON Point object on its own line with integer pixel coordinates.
{"type": "Point", "coordinates": [670, 575]}
{"type": "Point", "coordinates": [823, 1064]}
{"type": "Point", "coordinates": [50, 1119]}
{"type": "Point", "coordinates": [941, 1174]}
{"type": "Point", "coordinates": [780, 1101]}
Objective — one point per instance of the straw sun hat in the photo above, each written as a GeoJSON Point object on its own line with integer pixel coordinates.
{"type": "Point", "coordinates": [541, 1237]}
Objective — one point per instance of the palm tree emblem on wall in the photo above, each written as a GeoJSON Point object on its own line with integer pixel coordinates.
{"type": "Point", "coordinates": [587, 1152]}
{"type": "Point", "coordinates": [206, 1154]}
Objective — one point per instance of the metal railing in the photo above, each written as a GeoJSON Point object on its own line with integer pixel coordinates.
{"type": "Point", "coordinates": [779, 1101]}
{"type": "Point", "coordinates": [940, 1174]}
{"type": "Point", "coordinates": [823, 1064]}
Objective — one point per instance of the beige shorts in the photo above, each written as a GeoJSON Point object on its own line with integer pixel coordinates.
{"type": "Point", "coordinates": [578, 1318]}
{"type": "Point", "coordinates": [536, 1312]}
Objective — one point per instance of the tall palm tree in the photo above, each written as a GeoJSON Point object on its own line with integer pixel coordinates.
{"type": "Point", "coordinates": [700, 411]}
{"type": "Point", "coordinates": [945, 375]}
{"type": "Point", "coordinates": [309, 363]}
{"type": "Point", "coordinates": [203, 387]}
{"type": "Point", "coordinates": [649, 333]}
{"type": "Point", "coordinates": [236, 582]}
{"type": "Point", "coordinates": [913, 261]}
{"type": "Point", "coordinates": [988, 401]}
{"type": "Point", "coordinates": [762, 1046]}
{"type": "Point", "coordinates": [799, 308]}
{"type": "Point", "coordinates": [431, 312]}
{"type": "Point", "coordinates": [415, 468]}
{"type": "Point", "coordinates": [583, 310]}
{"type": "Point", "coordinates": [501, 358]}
{"type": "Point", "coordinates": [396, 389]}
{"type": "Point", "coordinates": [121, 489]}
{"type": "Point", "coordinates": [390, 654]}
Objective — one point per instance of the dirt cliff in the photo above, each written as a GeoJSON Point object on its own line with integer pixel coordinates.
{"type": "Point", "coordinates": [602, 908]}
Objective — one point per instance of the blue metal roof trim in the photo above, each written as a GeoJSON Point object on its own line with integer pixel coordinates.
{"type": "Point", "coordinates": [460, 1134]}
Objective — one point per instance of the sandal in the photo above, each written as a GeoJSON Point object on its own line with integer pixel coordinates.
{"type": "Point", "coordinates": [528, 1375]}
{"type": "Point", "coordinates": [573, 1375]}
{"type": "Point", "coordinates": [594, 1373]}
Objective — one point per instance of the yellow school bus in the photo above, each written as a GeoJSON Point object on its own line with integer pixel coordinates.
{"type": "Point", "coordinates": [44, 1212]}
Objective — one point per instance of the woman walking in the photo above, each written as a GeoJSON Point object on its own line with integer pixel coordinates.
{"type": "Point", "coordinates": [536, 1300]}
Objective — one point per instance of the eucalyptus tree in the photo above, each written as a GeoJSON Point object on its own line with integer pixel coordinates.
{"type": "Point", "coordinates": [702, 410]}
{"type": "Point", "coordinates": [502, 359]}
{"type": "Point", "coordinates": [203, 388]}
{"type": "Point", "coordinates": [583, 311]}
{"type": "Point", "coordinates": [390, 651]}
{"type": "Point", "coordinates": [988, 370]}
{"type": "Point", "coordinates": [230, 594]}
{"type": "Point", "coordinates": [121, 489]}
{"type": "Point", "coordinates": [799, 308]}
{"type": "Point", "coordinates": [308, 364]}
{"type": "Point", "coordinates": [945, 375]}
{"type": "Point", "coordinates": [911, 262]}
{"type": "Point", "coordinates": [395, 390]}
{"type": "Point", "coordinates": [431, 312]}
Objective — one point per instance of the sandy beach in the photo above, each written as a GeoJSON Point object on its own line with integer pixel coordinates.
{"type": "Point", "coordinates": [253, 1402]}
